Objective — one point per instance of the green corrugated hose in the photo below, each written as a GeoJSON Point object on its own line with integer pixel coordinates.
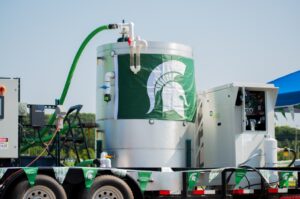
{"type": "Point", "coordinates": [68, 82]}
{"type": "Point", "coordinates": [85, 163]}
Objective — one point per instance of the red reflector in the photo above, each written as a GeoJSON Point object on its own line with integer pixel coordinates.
{"type": "Point", "coordinates": [3, 139]}
{"type": "Point", "coordinates": [242, 191]}
{"type": "Point", "coordinates": [198, 192]}
{"type": "Point", "coordinates": [2, 90]}
{"type": "Point", "coordinates": [272, 190]}
{"type": "Point", "coordinates": [238, 191]}
{"type": "Point", "coordinates": [164, 192]}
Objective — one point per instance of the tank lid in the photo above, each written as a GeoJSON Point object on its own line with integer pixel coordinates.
{"type": "Point", "coordinates": [154, 47]}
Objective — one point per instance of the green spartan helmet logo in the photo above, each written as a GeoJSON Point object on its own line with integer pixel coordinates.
{"type": "Point", "coordinates": [163, 80]}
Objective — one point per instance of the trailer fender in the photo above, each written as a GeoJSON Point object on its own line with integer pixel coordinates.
{"type": "Point", "coordinates": [12, 177]}
{"type": "Point", "coordinates": [133, 184]}
{"type": "Point", "coordinates": [45, 187]}
{"type": "Point", "coordinates": [108, 186]}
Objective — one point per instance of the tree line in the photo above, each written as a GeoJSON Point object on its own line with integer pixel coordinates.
{"type": "Point", "coordinates": [286, 136]}
{"type": "Point", "coordinates": [67, 151]}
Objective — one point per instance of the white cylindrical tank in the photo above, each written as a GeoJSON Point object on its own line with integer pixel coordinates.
{"type": "Point", "coordinates": [270, 148]}
{"type": "Point", "coordinates": [147, 117]}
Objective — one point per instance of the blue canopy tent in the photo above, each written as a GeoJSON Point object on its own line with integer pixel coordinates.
{"type": "Point", "coordinates": [289, 90]}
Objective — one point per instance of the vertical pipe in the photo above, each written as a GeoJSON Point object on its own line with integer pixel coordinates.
{"type": "Point", "coordinates": [188, 153]}
{"type": "Point", "coordinates": [184, 185]}
{"type": "Point", "coordinates": [131, 56]}
{"type": "Point", "coordinates": [99, 148]}
{"type": "Point", "coordinates": [244, 117]}
{"type": "Point", "coordinates": [224, 185]}
{"type": "Point", "coordinates": [57, 149]}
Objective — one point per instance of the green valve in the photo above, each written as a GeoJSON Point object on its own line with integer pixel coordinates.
{"type": "Point", "coordinates": [107, 97]}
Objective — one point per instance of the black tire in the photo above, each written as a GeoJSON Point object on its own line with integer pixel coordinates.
{"type": "Point", "coordinates": [107, 186]}
{"type": "Point", "coordinates": [45, 186]}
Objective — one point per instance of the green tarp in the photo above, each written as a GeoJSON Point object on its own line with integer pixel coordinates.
{"type": "Point", "coordinates": [164, 88]}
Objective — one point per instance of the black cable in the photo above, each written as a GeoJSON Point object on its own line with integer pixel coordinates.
{"type": "Point", "coordinates": [229, 177]}
{"type": "Point", "coordinates": [257, 171]}
{"type": "Point", "coordinates": [44, 145]}
{"type": "Point", "coordinates": [248, 181]}
{"type": "Point", "coordinates": [251, 185]}
{"type": "Point", "coordinates": [264, 183]}
{"type": "Point", "coordinates": [294, 158]}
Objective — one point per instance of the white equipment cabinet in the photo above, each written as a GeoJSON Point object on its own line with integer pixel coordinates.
{"type": "Point", "coordinates": [9, 118]}
{"type": "Point", "coordinates": [238, 121]}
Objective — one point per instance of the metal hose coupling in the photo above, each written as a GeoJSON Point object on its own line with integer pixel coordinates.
{"type": "Point", "coordinates": [113, 26]}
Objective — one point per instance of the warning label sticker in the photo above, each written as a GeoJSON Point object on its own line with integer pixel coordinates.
{"type": "Point", "coordinates": [3, 143]}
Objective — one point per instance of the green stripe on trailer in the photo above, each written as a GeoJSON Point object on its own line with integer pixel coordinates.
{"type": "Point", "coordinates": [239, 175]}
{"type": "Point", "coordinates": [284, 178]}
{"type": "Point", "coordinates": [193, 178]}
{"type": "Point", "coordinates": [31, 173]}
{"type": "Point", "coordinates": [144, 178]}
{"type": "Point", "coordinates": [89, 176]}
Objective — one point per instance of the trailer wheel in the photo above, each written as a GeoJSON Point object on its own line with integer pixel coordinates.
{"type": "Point", "coordinates": [107, 187]}
{"type": "Point", "coordinates": [45, 188]}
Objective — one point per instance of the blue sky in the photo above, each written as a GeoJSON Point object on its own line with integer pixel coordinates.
{"type": "Point", "coordinates": [245, 41]}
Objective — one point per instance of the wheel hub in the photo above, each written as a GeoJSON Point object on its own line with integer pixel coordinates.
{"type": "Point", "coordinates": [108, 192]}
{"type": "Point", "coordinates": [39, 192]}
